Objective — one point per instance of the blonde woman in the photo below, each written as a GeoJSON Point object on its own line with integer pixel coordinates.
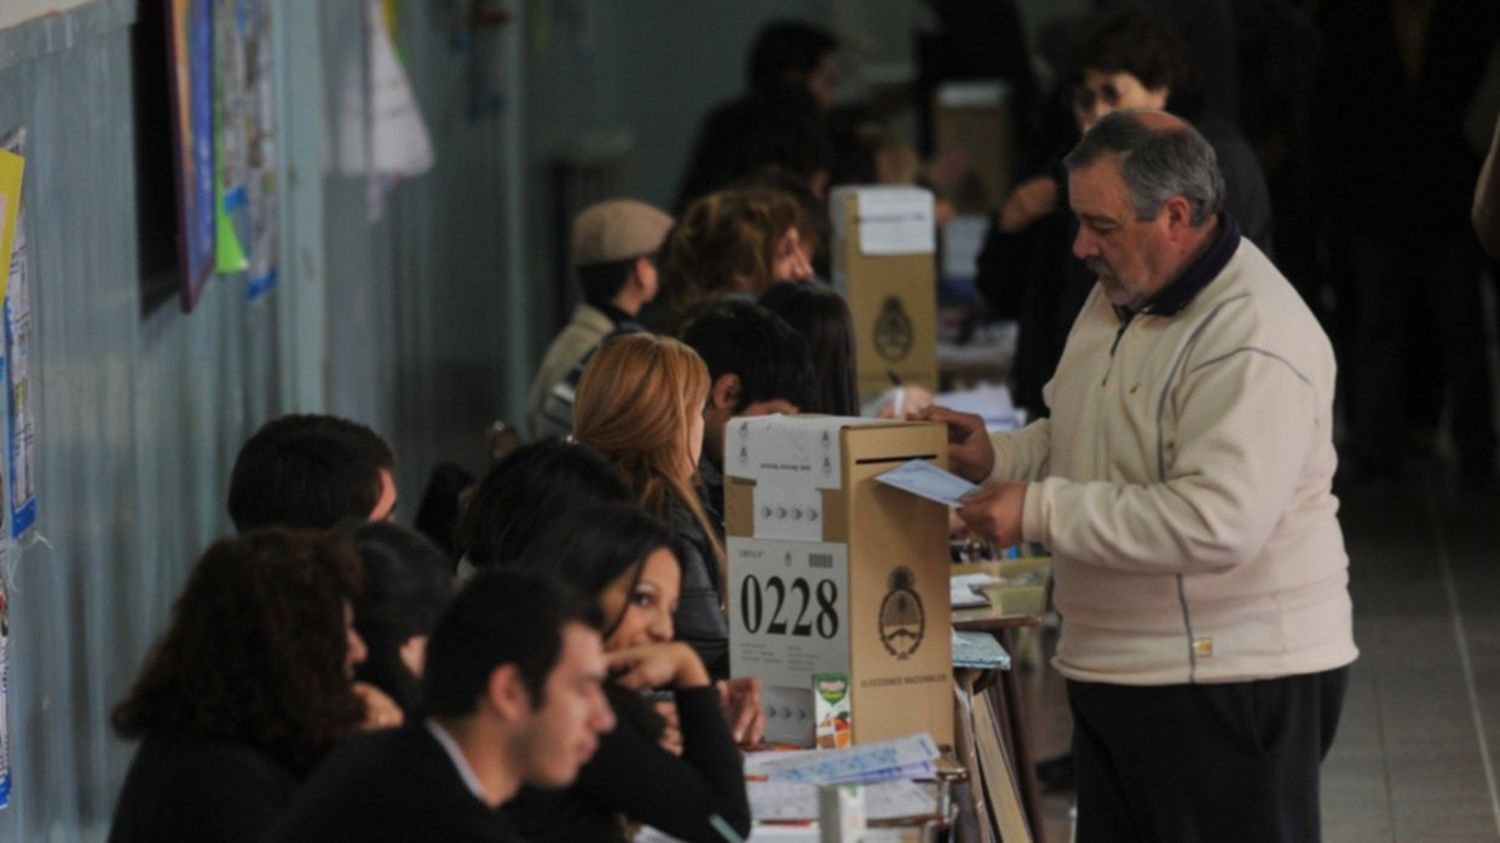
{"type": "Point", "coordinates": [640, 404]}
{"type": "Point", "coordinates": [741, 240]}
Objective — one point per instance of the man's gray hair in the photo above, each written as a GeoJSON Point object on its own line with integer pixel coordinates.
{"type": "Point", "coordinates": [1156, 164]}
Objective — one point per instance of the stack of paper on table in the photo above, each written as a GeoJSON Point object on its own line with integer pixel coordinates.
{"type": "Point", "coordinates": [979, 650]}
{"type": "Point", "coordinates": [889, 800]}
{"type": "Point", "coordinates": [914, 756]}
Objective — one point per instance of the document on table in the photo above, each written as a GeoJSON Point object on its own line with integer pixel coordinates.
{"type": "Point", "coordinates": [892, 800]}
{"type": "Point", "coordinates": [909, 757]}
{"type": "Point", "coordinates": [979, 650]}
{"type": "Point", "coordinates": [925, 480]}
{"type": "Point", "coordinates": [964, 597]}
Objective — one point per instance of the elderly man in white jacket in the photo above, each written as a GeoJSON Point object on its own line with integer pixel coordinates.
{"type": "Point", "coordinates": [1183, 485]}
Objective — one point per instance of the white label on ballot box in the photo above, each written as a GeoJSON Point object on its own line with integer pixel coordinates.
{"type": "Point", "coordinates": [789, 450]}
{"type": "Point", "coordinates": [785, 511]}
{"type": "Point", "coordinates": [788, 610]}
{"type": "Point", "coordinates": [896, 221]}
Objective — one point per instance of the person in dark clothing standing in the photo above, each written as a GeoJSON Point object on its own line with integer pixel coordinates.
{"type": "Point", "coordinates": [1125, 59]}
{"type": "Point", "coordinates": [513, 693]}
{"type": "Point", "coordinates": [793, 78]}
{"type": "Point", "coordinates": [1398, 179]}
{"type": "Point", "coordinates": [675, 779]}
{"type": "Point", "coordinates": [248, 689]}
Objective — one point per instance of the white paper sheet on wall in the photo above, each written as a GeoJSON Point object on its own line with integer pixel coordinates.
{"type": "Point", "coordinates": [379, 131]}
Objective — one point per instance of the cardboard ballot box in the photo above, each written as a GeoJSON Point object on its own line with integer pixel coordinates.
{"type": "Point", "coordinates": [977, 117]}
{"type": "Point", "coordinates": [831, 572]}
{"type": "Point", "coordinates": [885, 264]}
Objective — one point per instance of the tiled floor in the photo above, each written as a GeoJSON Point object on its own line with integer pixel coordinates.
{"type": "Point", "coordinates": [1423, 707]}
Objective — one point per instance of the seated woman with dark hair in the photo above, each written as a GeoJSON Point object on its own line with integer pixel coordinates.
{"type": "Point", "coordinates": [623, 559]}
{"type": "Point", "coordinates": [822, 317]}
{"type": "Point", "coordinates": [245, 692]}
{"type": "Point", "coordinates": [544, 488]}
{"type": "Point", "coordinates": [407, 585]}
{"type": "Point", "coordinates": [732, 241]}
{"type": "Point", "coordinates": [521, 495]}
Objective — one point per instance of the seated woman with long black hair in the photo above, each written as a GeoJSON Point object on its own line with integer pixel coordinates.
{"type": "Point", "coordinates": [408, 582]}
{"type": "Point", "coordinates": [249, 687]}
{"type": "Point", "coordinates": [623, 559]}
{"type": "Point", "coordinates": [545, 487]}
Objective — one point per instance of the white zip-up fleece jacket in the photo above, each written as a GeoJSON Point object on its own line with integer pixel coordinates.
{"type": "Point", "coordinates": [1183, 484]}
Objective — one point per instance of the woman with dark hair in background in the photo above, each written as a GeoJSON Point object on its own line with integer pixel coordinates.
{"type": "Point", "coordinates": [623, 559]}
{"type": "Point", "coordinates": [407, 585]}
{"type": "Point", "coordinates": [732, 241]}
{"type": "Point", "coordinates": [521, 495]}
{"type": "Point", "coordinates": [822, 317]}
{"type": "Point", "coordinates": [249, 687]}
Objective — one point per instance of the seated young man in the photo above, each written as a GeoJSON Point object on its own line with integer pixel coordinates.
{"type": "Point", "coordinates": [312, 471]}
{"type": "Point", "coordinates": [613, 253]}
{"type": "Point", "coordinates": [757, 365]}
{"type": "Point", "coordinates": [513, 695]}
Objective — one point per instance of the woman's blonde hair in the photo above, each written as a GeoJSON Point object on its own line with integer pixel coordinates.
{"type": "Point", "coordinates": [634, 406]}
{"type": "Point", "coordinates": [726, 242]}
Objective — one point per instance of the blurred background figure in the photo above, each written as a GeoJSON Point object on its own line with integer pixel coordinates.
{"type": "Point", "coordinates": [408, 582]}
{"type": "Point", "coordinates": [1398, 174]}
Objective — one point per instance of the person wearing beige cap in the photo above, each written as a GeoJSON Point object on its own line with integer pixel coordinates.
{"type": "Point", "coordinates": [613, 253]}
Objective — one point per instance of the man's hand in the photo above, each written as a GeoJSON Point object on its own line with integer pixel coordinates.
{"type": "Point", "coordinates": [381, 712]}
{"type": "Point", "coordinates": [970, 452]}
{"type": "Point", "coordinates": [744, 708]}
{"type": "Point", "coordinates": [994, 512]}
{"type": "Point", "coordinates": [1030, 201]}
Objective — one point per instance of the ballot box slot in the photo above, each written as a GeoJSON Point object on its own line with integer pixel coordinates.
{"type": "Point", "coordinates": [884, 460]}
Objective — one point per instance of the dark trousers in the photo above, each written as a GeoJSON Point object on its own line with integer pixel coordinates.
{"type": "Point", "coordinates": [1427, 294]}
{"type": "Point", "coordinates": [1222, 763]}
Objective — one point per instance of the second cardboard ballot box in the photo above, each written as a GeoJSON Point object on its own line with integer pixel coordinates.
{"type": "Point", "coordinates": [885, 264]}
{"type": "Point", "coordinates": [831, 572]}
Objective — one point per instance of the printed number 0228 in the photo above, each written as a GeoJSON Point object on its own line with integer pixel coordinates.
{"type": "Point", "coordinates": [754, 598]}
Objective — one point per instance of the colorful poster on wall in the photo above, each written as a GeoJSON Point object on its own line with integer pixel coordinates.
{"type": "Point", "coordinates": [246, 132]}
{"type": "Point", "coordinates": [12, 167]}
{"type": "Point", "coordinates": [18, 330]}
{"type": "Point", "coordinates": [190, 40]}
{"type": "Point", "coordinates": [4, 682]}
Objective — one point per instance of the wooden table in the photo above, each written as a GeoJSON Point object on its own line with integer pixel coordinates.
{"type": "Point", "coordinates": [1011, 607]}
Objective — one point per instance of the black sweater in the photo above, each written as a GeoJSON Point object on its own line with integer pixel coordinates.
{"type": "Point", "coordinates": [396, 785]}
{"type": "Point", "coordinates": [698, 621]}
{"type": "Point", "coordinates": [192, 788]}
{"type": "Point", "coordinates": [631, 775]}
